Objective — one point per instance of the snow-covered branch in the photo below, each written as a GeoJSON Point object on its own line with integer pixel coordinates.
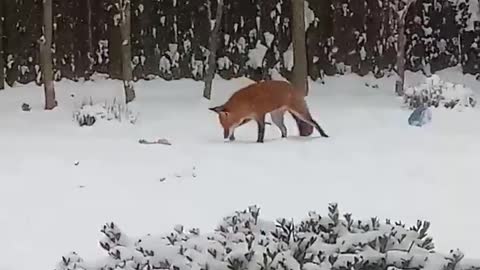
{"type": "Point", "coordinates": [243, 241]}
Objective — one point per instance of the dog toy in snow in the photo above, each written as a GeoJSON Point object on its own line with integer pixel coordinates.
{"type": "Point", "coordinates": [159, 141]}
{"type": "Point", "coordinates": [420, 116]}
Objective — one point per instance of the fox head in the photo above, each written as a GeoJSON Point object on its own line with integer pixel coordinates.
{"type": "Point", "coordinates": [226, 119]}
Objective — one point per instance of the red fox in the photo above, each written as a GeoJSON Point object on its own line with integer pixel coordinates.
{"type": "Point", "coordinates": [254, 101]}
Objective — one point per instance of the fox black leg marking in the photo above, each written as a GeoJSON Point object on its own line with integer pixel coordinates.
{"type": "Point", "coordinates": [232, 136]}
{"type": "Point", "coordinates": [261, 129]}
{"type": "Point", "coordinates": [319, 129]}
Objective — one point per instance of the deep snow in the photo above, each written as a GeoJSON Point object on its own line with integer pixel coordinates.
{"type": "Point", "coordinates": [60, 183]}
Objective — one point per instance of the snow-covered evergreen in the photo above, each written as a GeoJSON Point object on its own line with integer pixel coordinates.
{"type": "Point", "coordinates": [244, 241]}
{"type": "Point", "coordinates": [256, 38]}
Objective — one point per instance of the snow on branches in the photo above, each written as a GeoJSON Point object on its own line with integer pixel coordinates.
{"type": "Point", "coordinates": [243, 241]}
{"type": "Point", "coordinates": [435, 92]}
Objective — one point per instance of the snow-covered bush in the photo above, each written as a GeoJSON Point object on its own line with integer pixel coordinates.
{"type": "Point", "coordinates": [89, 114]}
{"type": "Point", "coordinates": [435, 92]}
{"type": "Point", "coordinates": [243, 241]}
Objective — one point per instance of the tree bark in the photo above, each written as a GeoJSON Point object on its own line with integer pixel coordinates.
{"type": "Point", "coordinates": [91, 52]}
{"type": "Point", "coordinates": [89, 25]}
{"type": "Point", "coordinates": [46, 56]}
{"type": "Point", "coordinates": [299, 76]}
{"type": "Point", "coordinates": [2, 55]}
{"type": "Point", "coordinates": [213, 46]}
{"type": "Point", "coordinates": [125, 31]}
{"type": "Point", "coordinates": [401, 14]}
{"type": "Point", "coordinates": [400, 83]}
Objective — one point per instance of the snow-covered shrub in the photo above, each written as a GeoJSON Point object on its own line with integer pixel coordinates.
{"type": "Point", "coordinates": [89, 114]}
{"type": "Point", "coordinates": [243, 241]}
{"type": "Point", "coordinates": [435, 92]}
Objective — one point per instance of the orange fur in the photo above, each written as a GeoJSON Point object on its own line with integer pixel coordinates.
{"type": "Point", "coordinates": [255, 101]}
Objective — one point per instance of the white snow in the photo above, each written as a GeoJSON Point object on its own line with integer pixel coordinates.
{"type": "Point", "coordinates": [60, 183]}
{"type": "Point", "coordinates": [309, 15]}
{"type": "Point", "coordinates": [256, 56]}
{"type": "Point", "coordinates": [288, 57]}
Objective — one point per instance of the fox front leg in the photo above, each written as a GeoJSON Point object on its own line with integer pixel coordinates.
{"type": "Point", "coordinates": [261, 128]}
{"type": "Point", "coordinates": [232, 136]}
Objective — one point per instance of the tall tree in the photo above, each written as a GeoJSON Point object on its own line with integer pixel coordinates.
{"type": "Point", "coordinates": [91, 52]}
{"type": "Point", "coordinates": [2, 56]}
{"type": "Point", "coordinates": [299, 76]}
{"type": "Point", "coordinates": [125, 31]}
{"type": "Point", "coordinates": [45, 43]}
{"type": "Point", "coordinates": [213, 46]}
{"type": "Point", "coordinates": [400, 8]}
{"type": "Point", "coordinates": [89, 26]}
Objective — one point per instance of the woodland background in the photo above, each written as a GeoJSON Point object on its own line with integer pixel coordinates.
{"type": "Point", "coordinates": [170, 38]}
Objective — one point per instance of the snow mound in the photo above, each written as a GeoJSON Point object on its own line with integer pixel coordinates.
{"type": "Point", "coordinates": [89, 114]}
{"type": "Point", "coordinates": [436, 92]}
{"type": "Point", "coordinates": [243, 241]}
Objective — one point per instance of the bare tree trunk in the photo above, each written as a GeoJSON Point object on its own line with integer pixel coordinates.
{"type": "Point", "coordinates": [299, 78]}
{"type": "Point", "coordinates": [91, 52]}
{"type": "Point", "coordinates": [125, 31]}
{"type": "Point", "coordinates": [2, 55]}
{"type": "Point", "coordinates": [89, 25]}
{"type": "Point", "coordinates": [46, 55]}
{"type": "Point", "coordinates": [400, 83]}
{"type": "Point", "coordinates": [213, 46]}
{"type": "Point", "coordinates": [401, 14]}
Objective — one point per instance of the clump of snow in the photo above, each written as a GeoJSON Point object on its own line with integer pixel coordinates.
{"type": "Point", "coordinates": [288, 58]}
{"type": "Point", "coordinates": [309, 15]}
{"type": "Point", "coordinates": [244, 241]}
{"type": "Point", "coordinates": [224, 63]}
{"type": "Point", "coordinates": [436, 92]}
{"type": "Point", "coordinates": [269, 38]}
{"type": "Point", "coordinates": [89, 114]}
{"type": "Point", "coordinates": [256, 56]}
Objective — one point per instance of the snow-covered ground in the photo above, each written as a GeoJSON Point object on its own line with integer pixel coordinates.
{"type": "Point", "coordinates": [60, 183]}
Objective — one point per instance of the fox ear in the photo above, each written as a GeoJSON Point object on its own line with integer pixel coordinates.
{"type": "Point", "coordinates": [217, 109]}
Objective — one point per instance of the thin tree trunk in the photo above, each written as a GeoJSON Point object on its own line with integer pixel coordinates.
{"type": "Point", "coordinates": [90, 53]}
{"type": "Point", "coordinates": [89, 25]}
{"type": "Point", "coordinates": [400, 83]}
{"type": "Point", "coordinates": [402, 40]}
{"type": "Point", "coordinates": [2, 55]}
{"type": "Point", "coordinates": [213, 46]}
{"type": "Point", "coordinates": [299, 76]}
{"type": "Point", "coordinates": [46, 55]}
{"type": "Point", "coordinates": [125, 30]}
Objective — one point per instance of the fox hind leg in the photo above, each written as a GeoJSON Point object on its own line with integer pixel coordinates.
{"type": "Point", "coordinates": [278, 120]}
{"type": "Point", "coordinates": [302, 112]}
{"type": "Point", "coordinates": [304, 129]}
